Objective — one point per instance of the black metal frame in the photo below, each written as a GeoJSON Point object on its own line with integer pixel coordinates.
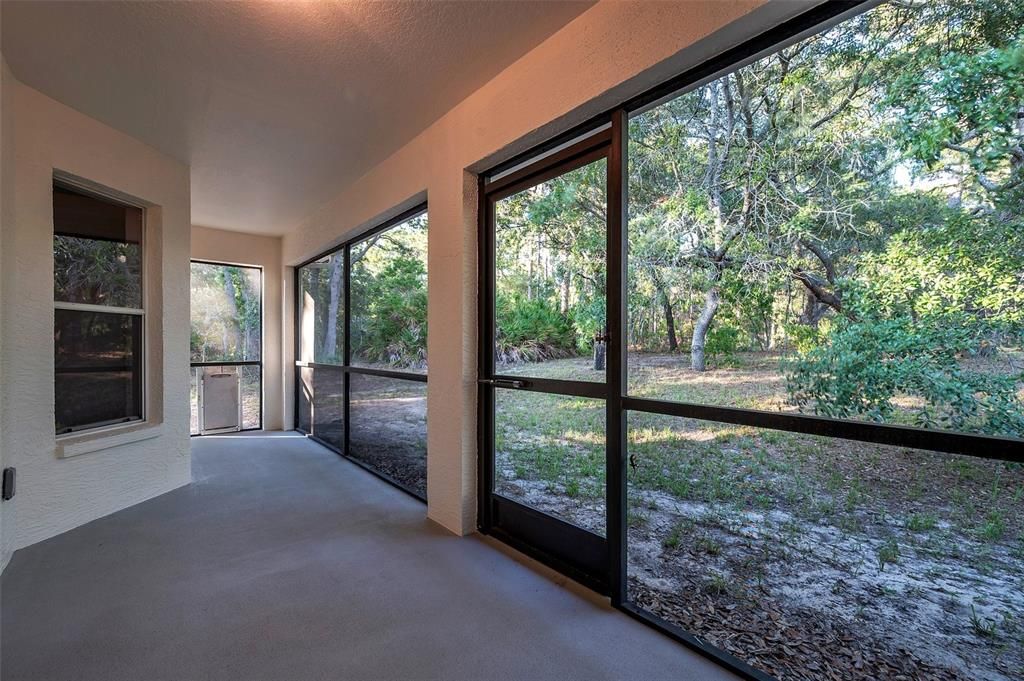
{"type": "Point", "coordinates": [346, 368]}
{"type": "Point", "coordinates": [257, 362]}
{"type": "Point", "coordinates": [517, 174]}
{"type": "Point", "coordinates": [539, 535]}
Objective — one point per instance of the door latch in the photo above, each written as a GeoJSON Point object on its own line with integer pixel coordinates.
{"type": "Point", "coordinates": [504, 383]}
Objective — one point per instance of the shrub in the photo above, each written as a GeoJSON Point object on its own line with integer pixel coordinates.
{"type": "Point", "coordinates": [393, 327]}
{"type": "Point", "coordinates": [865, 365]}
{"type": "Point", "coordinates": [722, 343]}
{"type": "Point", "coordinates": [531, 331]}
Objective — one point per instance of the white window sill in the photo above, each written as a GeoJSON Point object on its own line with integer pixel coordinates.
{"type": "Point", "coordinates": [87, 443]}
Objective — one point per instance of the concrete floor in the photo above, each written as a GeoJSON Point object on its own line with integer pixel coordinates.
{"type": "Point", "coordinates": [283, 561]}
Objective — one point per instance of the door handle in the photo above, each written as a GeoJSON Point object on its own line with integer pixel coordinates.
{"type": "Point", "coordinates": [504, 383]}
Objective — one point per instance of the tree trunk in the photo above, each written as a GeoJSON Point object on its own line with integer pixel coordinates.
{"type": "Point", "coordinates": [566, 277]}
{"type": "Point", "coordinates": [701, 327]}
{"type": "Point", "coordinates": [234, 328]}
{"type": "Point", "coordinates": [247, 335]}
{"type": "Point", "coordinates": [670, 322]}
{"type": "Point", "coordinates": [599, 354]}
{"type": "Point", "coordinates": [331, 335]}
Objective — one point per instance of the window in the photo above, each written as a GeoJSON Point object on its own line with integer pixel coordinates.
{"type": "Point", "coordinates": [322, 314]}
{"type": "Point", "coordinates": [99, 314]}
{"type": "Point", "coordinates": [834, 231]}
{"type": "Point", "coordinates": [227, 333]}
{"type": "Point", "coordinates": [361, 347]}
{"type": "Point", "coordinates": [389, 298]}
{"type": "Point", "coordinates": [815, 311]}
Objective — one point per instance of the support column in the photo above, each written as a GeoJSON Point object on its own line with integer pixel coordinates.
{"type": "Point", "coordinates": [452, 351]}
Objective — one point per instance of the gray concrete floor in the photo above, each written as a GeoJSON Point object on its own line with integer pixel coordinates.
{"type": "Point", "coordinates": [283, 561]}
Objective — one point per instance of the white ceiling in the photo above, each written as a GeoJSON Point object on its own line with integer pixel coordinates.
{"type": "Point", "coordinates": [275, 105]}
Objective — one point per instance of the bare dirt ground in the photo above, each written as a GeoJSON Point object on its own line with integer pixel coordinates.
{"type": "Point", "coordinates": [808, 557]}
{"type": "Point", "coordinates": [389, 429]}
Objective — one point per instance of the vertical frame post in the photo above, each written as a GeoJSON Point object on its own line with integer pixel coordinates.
{"type": "Point", "coordinates": [485, 356]}
{"type": "Point", "coordinates": [615, 495]}
{"type": "Point", "coordinates": [346, 344]}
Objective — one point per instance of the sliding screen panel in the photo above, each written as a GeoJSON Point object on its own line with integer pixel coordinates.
{"type": "Point", "coordinates": [226, 313]}
{"type": "Point", "coordinates": [549, 454]}
{"type": "Point", "coordinates": [321, 310]}
{"type": "Point", "coordinates": [252, 395]}
{"type": "Point", "coordinates": [828, 231]}
{"type": "Point", "coordinates": [388, 428]}
{"type": "Point", "coordinates": [849, 557]}
{"type": "Point", "coordinates": [549, 299]}
{"type": "Point", "coordinates": [329, 405]}
{"type": "Point", "coordinates": [389, 298]}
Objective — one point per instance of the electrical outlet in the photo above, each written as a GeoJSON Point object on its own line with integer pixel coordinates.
{"type": "Point", "coordinates": [8, 484]}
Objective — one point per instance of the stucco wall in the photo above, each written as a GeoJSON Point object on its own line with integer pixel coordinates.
{"type": "Point", "coordinates": [56, 494]}
{"type": "Point", "coordinates": [248, 249]}
{"type": "Point", "coordinates": [611, 52]}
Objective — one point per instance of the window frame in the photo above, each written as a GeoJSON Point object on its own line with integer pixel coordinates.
{"type": "Point", "coordinates": [346, 368]}
{"type": "Point", "coordinates": [239, 363]}
{"type": "Point", "coordinates": [142, 380]}
{"type": "Point", "coordinates": [810, 22]}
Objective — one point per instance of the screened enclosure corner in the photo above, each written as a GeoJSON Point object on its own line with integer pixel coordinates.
{"type": "Point", "coordinates": [226, 348]}
{"type": "Point", "coordinates": [752, 348]}
{"type": "Point", "coordinates": [361, 350]}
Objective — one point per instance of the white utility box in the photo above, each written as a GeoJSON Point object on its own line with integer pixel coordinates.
{"type": "Point", "coordinates": [220, 401]}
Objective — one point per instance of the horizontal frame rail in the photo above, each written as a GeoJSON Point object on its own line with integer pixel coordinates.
{"type": "Point", "coordinates": [367, 371]}
{"type": "Point", "coordinates": [952, 442]}
{"type": "Point", "coordinates": [106, 309]}
{"type": "Point", "coordinates": [554, 386]}
{"type": "Point", "coordinates": [239, 363]}
{"type": "Point", "coordinates": [570, 159]}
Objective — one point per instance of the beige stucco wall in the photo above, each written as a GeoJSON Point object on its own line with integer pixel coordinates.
{"type": "Point", "coordinates": [237, 248]}
{"type": "Point", "coordinates": [611, 52]}
{"type": "Point", "coordinates": [54, 493]}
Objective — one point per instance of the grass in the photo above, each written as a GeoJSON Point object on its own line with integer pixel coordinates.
{"type": "Point", "coordinates": [983, 627]}
{"type": "Point", "coordinates": [922, 522]}
{"type": "Point", "coordinates": [557, 442]}
{"type": "Point", "coordinates": [736, 510]}
{"type": "Point", "coordinates": [888, 553]}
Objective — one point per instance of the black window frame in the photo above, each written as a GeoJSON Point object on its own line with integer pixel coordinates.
{"type": "Point", "coordinates": [241, 363]}
{"type": "Point", "coordinates": [346, 368]}
{"type": "Point", "coordinates": [492, 182]}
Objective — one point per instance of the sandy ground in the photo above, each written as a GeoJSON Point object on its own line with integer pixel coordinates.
{"type": "Point", "coordinates": [876, 596]}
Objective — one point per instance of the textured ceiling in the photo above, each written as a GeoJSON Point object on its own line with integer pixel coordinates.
{"type": "Point", "coordinates": [275, 105]}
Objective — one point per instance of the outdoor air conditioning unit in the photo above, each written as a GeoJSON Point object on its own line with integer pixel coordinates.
{"type": "Point", "coordinates": [220, 403]}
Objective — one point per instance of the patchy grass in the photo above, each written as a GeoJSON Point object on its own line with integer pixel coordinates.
{"type": "Point", "coordinates": [907, 547]}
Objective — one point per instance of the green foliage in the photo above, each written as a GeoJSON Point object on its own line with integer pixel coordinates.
{"type": "Point", "coordinates": [722, 343]}
{"type": "Point", "coordinates": [531, 330]}
{"type": "Point", "coordinates": [888, 554]}
{"type": "Point", "coordinates": [388, 298]}
{"type": "Point", "coordinates": [921, 309]}
{"type": "Point", "coordinates": [588, 320]}
{"type": "Point", "coordinates": [952, 95]}
{"type": "Point", "coordinates": [865, 366]}
{"type": "Point", "coordinates": [961, 270]}
{"type": "Point", "coordinates": [97, 272]}
{"type": "Point", "coordinates": [804, 337]}
{"type": "Point", "coordinates": [393, 325]}
{"type": "Point", "coordinates": [226, 312]}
